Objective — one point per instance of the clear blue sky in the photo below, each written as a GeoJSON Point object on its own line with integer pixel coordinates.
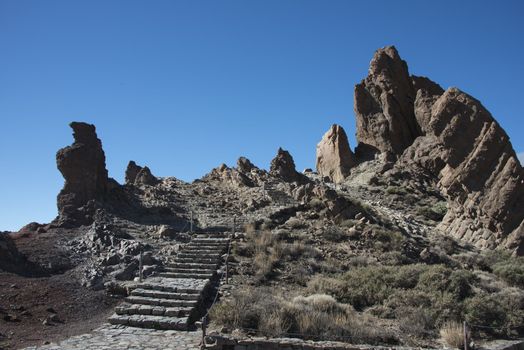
{"type": "Point", "coordinates": [182, 86]}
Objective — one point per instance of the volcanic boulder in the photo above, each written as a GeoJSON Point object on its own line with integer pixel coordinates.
{"type": "Point", "coordinates": [84, 169]}
{"type": "Point", "coordinates": [334, 157]}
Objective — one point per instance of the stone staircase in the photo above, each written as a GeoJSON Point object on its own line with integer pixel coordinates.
{"type": "Point", "coordinates": [176, 297]}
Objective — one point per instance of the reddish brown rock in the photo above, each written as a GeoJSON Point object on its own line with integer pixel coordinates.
{"type": "Point", "coordinates": [334, 157]}
{"type": "Point", "coordinates": [451, 136]}
{"type": "Point", "coordinates": [384, 112]}
{"type": "Point", "coordinates": [482, 176]}
{"type": "Point", "coordinates": [84, 169]}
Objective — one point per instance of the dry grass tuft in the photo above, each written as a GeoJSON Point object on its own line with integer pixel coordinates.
{"type": "Point", "coordinates": [452, 333]}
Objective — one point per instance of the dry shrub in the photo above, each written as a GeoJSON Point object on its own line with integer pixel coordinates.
{"type": "Point", "coordinates": [316, 316]}
{"type": "Point", "coordinates": [452, 334]}
{"type": "Point", "coordinates": [295, 223]}
{"type": "Point", "coordinates": [250, 228]}
{"type": "Point", "coordinates": [267, 253]}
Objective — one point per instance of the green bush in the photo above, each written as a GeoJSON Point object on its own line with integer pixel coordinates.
{"type": "Point", "coordinates": [435, 212]}
{"type": "Point", "coordinates": [396, 190]}
{"type": "Point", "coordinates": [442, 279]}
{"type": "Point", "coordinates": [370, 285]}
{"type": "Point", "coordinates": [511, 271]}
{"type": "Point", "coordinates": [485, 310]}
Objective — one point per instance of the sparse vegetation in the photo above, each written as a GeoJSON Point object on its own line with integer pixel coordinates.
{"type": "Point", "coordinates": [452, 334]}
{"type": "Point", "coordinates": [511, 270]}
{"type": "Point", "coordinates": [372, 268]}
{"type": "Point", "coordinates": [312, 317]}
{"type": "Point", "coordinates": [435, 212]}
{"type": "Point", "coordinates": [399, 190]}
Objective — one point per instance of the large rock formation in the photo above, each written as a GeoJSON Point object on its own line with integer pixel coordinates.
{"type": "Point", "coordinates": [452, 136]}
{"type": "Point", "coordinates": [83, 167]}
{"type": "Point", "coordinates": [478, 171]}
{"type": "Point", "coordinates": [137, 175]}
{"type": "Point", "coordinates": [283, 167]}
{"type": "Point", "coordinates": [384, 106]}
{"type": "Point", "coordinates": [334, 157]}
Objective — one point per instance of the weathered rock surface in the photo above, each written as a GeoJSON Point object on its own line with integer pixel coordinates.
{"type": "Point", "coordinates": [283, 167]}
{"type": "Point", "coordinates": [229, 176]}
{"type": "Point", "coordinates": [384, 106]}
{"type": "Point", "coordinates": [334, 157]}
{"type": "Point", "coordinates": [450, 135]}
{"type": "Point", "coordinates": [132, 171]}
{"type": "Point", "coordinates": [138, 175]}
{"type": "Point", "coordinates": [481, 176]}
{"type": "Point", "coordinates": [84, 169]}
{"type": "Point", "coordinates": [244, 165]}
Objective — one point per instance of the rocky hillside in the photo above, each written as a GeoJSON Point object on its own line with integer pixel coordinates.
{"type": "Point", "coordinates": [433, 181]}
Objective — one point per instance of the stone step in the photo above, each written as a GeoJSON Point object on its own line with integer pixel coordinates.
{"type": "Point", "coordinates": [186, 275]}
{"type": "Point", "coordinates": [197, 260]}
{"type": "Point", "coordinates": [210, 240]}
{"type": "Point", "coordinates": [151, 322]}
{"type": "Point", "coordinates": [171, 288]}
{"type": "Point", "coordinates": [198, 254]}
{"type": "Point", "coordinates": [138, 309]}
{"type": "Point", "coordinates": [201, 249]}
{"type": "Point", "coordinates": [161, 302]}
{"type": "Point", "coordinates": [207, 244]}
{"type": "Point", "coordinates": [189, 270]}
{"type": "Point", "coordinates": [164, 295]}
{"type": "Point", "coordinates": [191, 265]}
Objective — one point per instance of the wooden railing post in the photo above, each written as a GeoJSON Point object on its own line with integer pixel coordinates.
{"type": "Point", "coordinates": [203, 344]}
{"type": "Point", "coordinates": [140, 267]}
{"type": "Point", "coordinates": [465, 336]}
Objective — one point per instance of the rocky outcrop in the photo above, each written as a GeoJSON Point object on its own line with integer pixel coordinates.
{"type": "Point", "coordinates": [452, 136]}
{"type": "Point", "coordinates": [229, 176]}
{"type": "Point", "coordinates": [244, 165]}
{"type": "Point", "coordinates": [478, 172]}
{"type": "Point", "coordinates": [132, 171]}
{"type": "Point", "coordinates": [283, 167]}
{"type": "Point", "coordinates": [84, 169]}
{"type": "Point", "coordinates": [384, 106]}
{"type": "Point", "coordinates": [334, 157]}
{"type": "Point", "coordinates": [137, 175]}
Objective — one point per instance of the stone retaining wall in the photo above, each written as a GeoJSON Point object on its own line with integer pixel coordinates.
{"type": "Point", "coordinates": [219, 342]}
